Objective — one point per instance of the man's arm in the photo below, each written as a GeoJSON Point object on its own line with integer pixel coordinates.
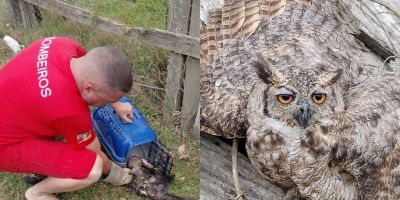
{"type": "Point", "coordinates": [112, 173]}
{"type": "Point", "coordinates": [96, 147]}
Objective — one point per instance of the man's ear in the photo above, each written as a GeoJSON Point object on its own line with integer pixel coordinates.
{"type": "Point", "coordinates": [267, 73]}
{"type": "Point", "coordinates": [87, 89]}
{"type": "Point", "coordinates": [330, 78]}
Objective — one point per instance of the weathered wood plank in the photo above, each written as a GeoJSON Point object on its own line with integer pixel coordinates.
{"type": "Point", "coordinates": [191, 92]}
{"type": "Point", "coordinates": [178, 21]}
{"type": "Point", "coordinates": [379, 23]}
{"type": "Point", "coordinates": [179, 43]}
{"type": "Point", "coordinates": [179, 16]}
{"type": "Point", "coordinates": [196, 126]}
{"type": "Point", "coordinates": [28, 15]}
{"type": "Point", "coordinates": [216, 174]}
{"type": "Point", "coordinates": [173, 86]}
{"type": "Point", "coordinates": [13, 13]}
{"type": "Point", "coordinates": [70, 2]}
{"type": "Point", "coordinates": [195, 19]}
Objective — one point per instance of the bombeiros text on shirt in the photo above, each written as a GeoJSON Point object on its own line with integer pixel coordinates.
{"type": "Point", "coordinates": [41, 66]}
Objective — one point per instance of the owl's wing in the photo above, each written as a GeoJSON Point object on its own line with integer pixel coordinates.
{"type": "Point", "coordinates": [225, 81]}
{"type": "Point", "coordinates": [369, 138]}
{"type": "Point", "coordinates": [236, 17]}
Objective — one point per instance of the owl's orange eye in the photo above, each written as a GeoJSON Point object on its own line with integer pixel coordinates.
{"type": "Point", "coordinates": [319, 98]}
{"type": "Point", "coordinates": [285, 98]}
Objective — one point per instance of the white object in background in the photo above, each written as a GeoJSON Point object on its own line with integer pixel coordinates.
{"type": "Point", "coordinates": [12, 43]}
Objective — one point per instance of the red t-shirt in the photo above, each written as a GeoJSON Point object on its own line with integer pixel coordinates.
{"type": "Point", "coordinates": [39, 96]}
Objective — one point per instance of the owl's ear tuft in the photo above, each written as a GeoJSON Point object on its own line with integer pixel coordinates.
{"type": "Point", "coordinates": [267, 73]}
{"type": "Point", "coordinates": [331, 77]}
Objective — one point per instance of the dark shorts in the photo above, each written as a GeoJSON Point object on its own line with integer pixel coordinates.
{"type": "Point", "coordinates": [52, 158]}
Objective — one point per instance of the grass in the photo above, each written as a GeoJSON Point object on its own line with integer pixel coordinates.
{"type": "Point", "coordinates": [149, 64]}
{"type": "Point", "coordinates": [143, 13]}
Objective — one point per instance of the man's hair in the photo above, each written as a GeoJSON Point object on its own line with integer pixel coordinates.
{"type": "Point", "coordinates": [114, 66]}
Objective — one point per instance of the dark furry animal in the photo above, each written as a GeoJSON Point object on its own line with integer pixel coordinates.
{"type": "Point", "coordinates": [147, 182]}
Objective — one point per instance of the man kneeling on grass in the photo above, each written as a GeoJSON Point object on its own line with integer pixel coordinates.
{"type": "Point", "coordinates": [45, 91]}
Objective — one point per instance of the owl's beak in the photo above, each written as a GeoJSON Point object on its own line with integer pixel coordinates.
{"type": "Point", "coordinates": [303, 116]}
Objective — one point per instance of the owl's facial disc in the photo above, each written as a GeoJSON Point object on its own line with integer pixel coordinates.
{"type": "Point", "coordinates": [304, 114]}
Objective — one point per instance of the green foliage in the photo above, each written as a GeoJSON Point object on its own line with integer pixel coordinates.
{"type": "Point", "coordinates": [142, 13]}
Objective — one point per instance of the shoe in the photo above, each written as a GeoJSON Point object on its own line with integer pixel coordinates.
{"type": "Point", "coordinates": [32, 180]}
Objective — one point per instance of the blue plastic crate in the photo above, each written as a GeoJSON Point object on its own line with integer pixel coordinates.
{"type": "Point", "coordinates": [122, 140]}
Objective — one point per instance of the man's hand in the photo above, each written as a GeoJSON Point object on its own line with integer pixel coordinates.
{"type": "Point", "coordinates": [118, 175]}
{"type": "Point", "coordinates": [124, 111]}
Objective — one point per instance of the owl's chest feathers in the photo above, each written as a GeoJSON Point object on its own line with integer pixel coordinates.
{"type": "Point", "coordinates": [286, 153]}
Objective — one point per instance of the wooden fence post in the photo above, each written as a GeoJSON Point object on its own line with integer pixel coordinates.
{"type": "Point", "coordinates": [191, 92]}
{"type": "Point", "coordinates": [13, 13]}
{"type": "Point", "coordinates": [196, 125]}
{"type": "Point", "coordinates": [178, 21]}
{"type": "Point", "coordinates": [30, 14]}
{"type": "Point", "coordinates": [19, 12]}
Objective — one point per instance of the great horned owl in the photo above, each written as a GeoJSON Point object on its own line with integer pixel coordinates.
{"type": "Point", "coordinates": [302, 36]}
{"type": "Point", "coordinates": [289, 86]}
{"type": "Point", "coordinates": [324, 142]}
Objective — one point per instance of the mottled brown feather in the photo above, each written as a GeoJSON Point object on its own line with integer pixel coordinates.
{"type": "Point", "coordinates": [233, 15]}
{"type": "Point", "coordinates": [252, 18]}
{"type": "Point", "coordinates": [203, 45]}
{"type": "Point", "coordinates": [213, 32]}
{"type": "Point", "coordinates": [272, 7]}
